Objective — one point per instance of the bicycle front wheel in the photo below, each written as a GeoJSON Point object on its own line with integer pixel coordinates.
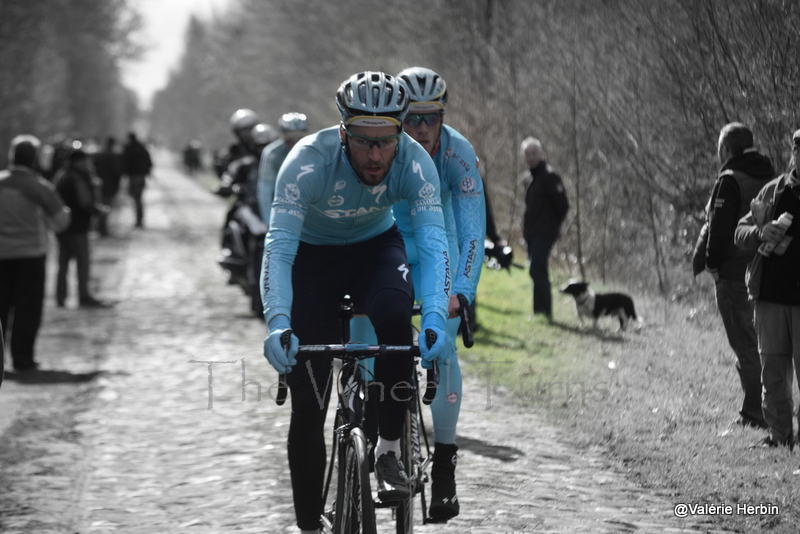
{"type": "Point", "coordinates": [404, 513]}
{"type": "Point", "coordinates": [355, 510]}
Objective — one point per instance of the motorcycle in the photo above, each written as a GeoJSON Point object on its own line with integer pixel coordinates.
{"type": "Point", "coordinates": [243, 245]}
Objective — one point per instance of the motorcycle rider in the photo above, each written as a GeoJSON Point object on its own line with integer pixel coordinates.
{"type": "Point", "coordinates": [241, 175]}
{"type": "Point", "coordinates": [242, 220]}
{"type": "Point", "coordinates": [293, 127]}
{"type": "Point", "coordinates": [241, 122]}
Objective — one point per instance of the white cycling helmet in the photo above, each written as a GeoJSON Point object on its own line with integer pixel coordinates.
{"type": "Point", "coordinates": [372, 99]}
{"type": "Point", "coordinates": [426, 89]}
{"type": "Point", "coordinates": [263, 134]}
{"type": "Point", "coordinates": [293, 122]}
{"type": "Point", "coordinates": [243, 119]}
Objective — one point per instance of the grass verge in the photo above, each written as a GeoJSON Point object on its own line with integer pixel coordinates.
{"type": "Point", "coordinates": [661, 400]}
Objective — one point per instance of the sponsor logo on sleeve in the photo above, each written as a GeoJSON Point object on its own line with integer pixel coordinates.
{"type": "Point", "coordinates": [292, 192]}
{"type": "Point", "coordinates": [467, 185]}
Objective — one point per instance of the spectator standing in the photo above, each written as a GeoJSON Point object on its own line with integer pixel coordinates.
{"type": "Point", "coordinates": [108, 166]}
{"type": "Point", "coordinates": [773, 282]}
{"type": "Point", "coordinates": [29, 205]}
{"type": "Point", "coordinates": [546, 207]}
{"type": "Point", "coordinates": [742, 174]}
{"type": "Point", "coordinates": [74, 183]}
{"type": "Point", "coordinates": [136, 164]}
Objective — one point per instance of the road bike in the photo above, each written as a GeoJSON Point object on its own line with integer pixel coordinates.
{"type": "Point", "coordinates": [348, 502]}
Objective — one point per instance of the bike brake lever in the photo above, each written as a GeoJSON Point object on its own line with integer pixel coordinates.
{"type": "Point", "coordinates": [283, 389]}
{"type": "Point", "coordinates": [466, 326]}
{"type": "Point", "coordinates": [433, 374]}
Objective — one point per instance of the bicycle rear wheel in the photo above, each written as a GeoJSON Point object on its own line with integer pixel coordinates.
{"type": "Point", "coordinates": [355, 510]}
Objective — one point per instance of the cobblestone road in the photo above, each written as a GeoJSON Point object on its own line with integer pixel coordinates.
{"type": "Point", "coordinates": [135, 441]}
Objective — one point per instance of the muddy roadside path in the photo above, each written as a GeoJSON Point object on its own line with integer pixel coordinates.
{"type": "Point", "coordinates": [122, 432]}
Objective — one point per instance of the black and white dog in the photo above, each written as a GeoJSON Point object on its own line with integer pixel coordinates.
{"type": "Point", "coordinates": [590, 304]}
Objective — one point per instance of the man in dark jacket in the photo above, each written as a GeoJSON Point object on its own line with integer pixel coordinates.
{"type": "Point", "coordinates": [74, 183]}
{"type": "Point", "coordinates": [136, 163]}
{"type": "Point", "coordinates": [108, 166]}
{"type": "Point", "coordinates": [29, 206]}
{"type": "Point", "coordinates": [546, 207]}
{"type": "Point", "coordinates": [741, 176]}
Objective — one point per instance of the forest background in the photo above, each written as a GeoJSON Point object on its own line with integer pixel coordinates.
{"type": "Point", "coordinates": [627, 96]}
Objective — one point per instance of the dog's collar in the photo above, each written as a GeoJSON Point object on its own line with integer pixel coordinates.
{"type": "Point", "coordinates": [584, 299]}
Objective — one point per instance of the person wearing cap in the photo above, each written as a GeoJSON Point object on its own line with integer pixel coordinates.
{"type": "Point", "coordinates": [74, 182]}
{"type": "Point", "coordinates": [742, 174]}
{"type": "Point", "coordinates": [332, 233]}
{"type": "Point", "coordinates": [29, 206]}
{"type": "Point", "coordinates": [293, 126]}
{"type": "Point", "coordinates": [773, 283]}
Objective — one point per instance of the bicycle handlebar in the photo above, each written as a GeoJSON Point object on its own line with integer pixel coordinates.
{"type": "Point", "coordinates": [361, 351]}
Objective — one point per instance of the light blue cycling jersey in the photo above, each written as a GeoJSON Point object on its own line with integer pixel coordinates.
{"type": "Point", "coordinates": [320, 201]}
{"type": "Point", "coordinates": [272, 157]}
{"type": "Point", "coordinates": [464, 211]}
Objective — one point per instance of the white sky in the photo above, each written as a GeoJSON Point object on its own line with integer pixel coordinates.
{"type": "Point", "coordinates": [163, 32]}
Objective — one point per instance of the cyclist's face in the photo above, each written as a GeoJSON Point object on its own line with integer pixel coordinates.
{"type": "Point", "coordinates": [424, 128]}
{"type": "Point", "coordinates": [370, 160]}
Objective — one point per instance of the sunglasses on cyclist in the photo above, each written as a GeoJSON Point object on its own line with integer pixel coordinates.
{"type": "Point", "coordinates": [364, 142]}
{"type": "Point", "coordinates": [430, 119]}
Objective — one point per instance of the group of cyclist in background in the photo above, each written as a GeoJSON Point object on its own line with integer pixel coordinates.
{"type": "Point", "coordinates": [389, 208]}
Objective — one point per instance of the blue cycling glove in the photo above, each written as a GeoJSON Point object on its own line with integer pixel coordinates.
{"type": "Point", "coordinates": [440, 350]}
{"type": "Point", "coordinates": [281, 360]}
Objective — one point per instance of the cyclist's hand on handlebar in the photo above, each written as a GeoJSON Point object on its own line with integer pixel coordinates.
{"type": "Point", "coordinates": [440, 350]}
{"type": "Point", "coordinates": [281, 359]}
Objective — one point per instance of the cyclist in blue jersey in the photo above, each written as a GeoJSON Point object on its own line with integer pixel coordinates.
{"type": "Point", "coordinates": [465, 220]}
{"type": "Point", "coordinates": [332, 233]}
{"type": "Point", "coordinates": [293, 127]}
